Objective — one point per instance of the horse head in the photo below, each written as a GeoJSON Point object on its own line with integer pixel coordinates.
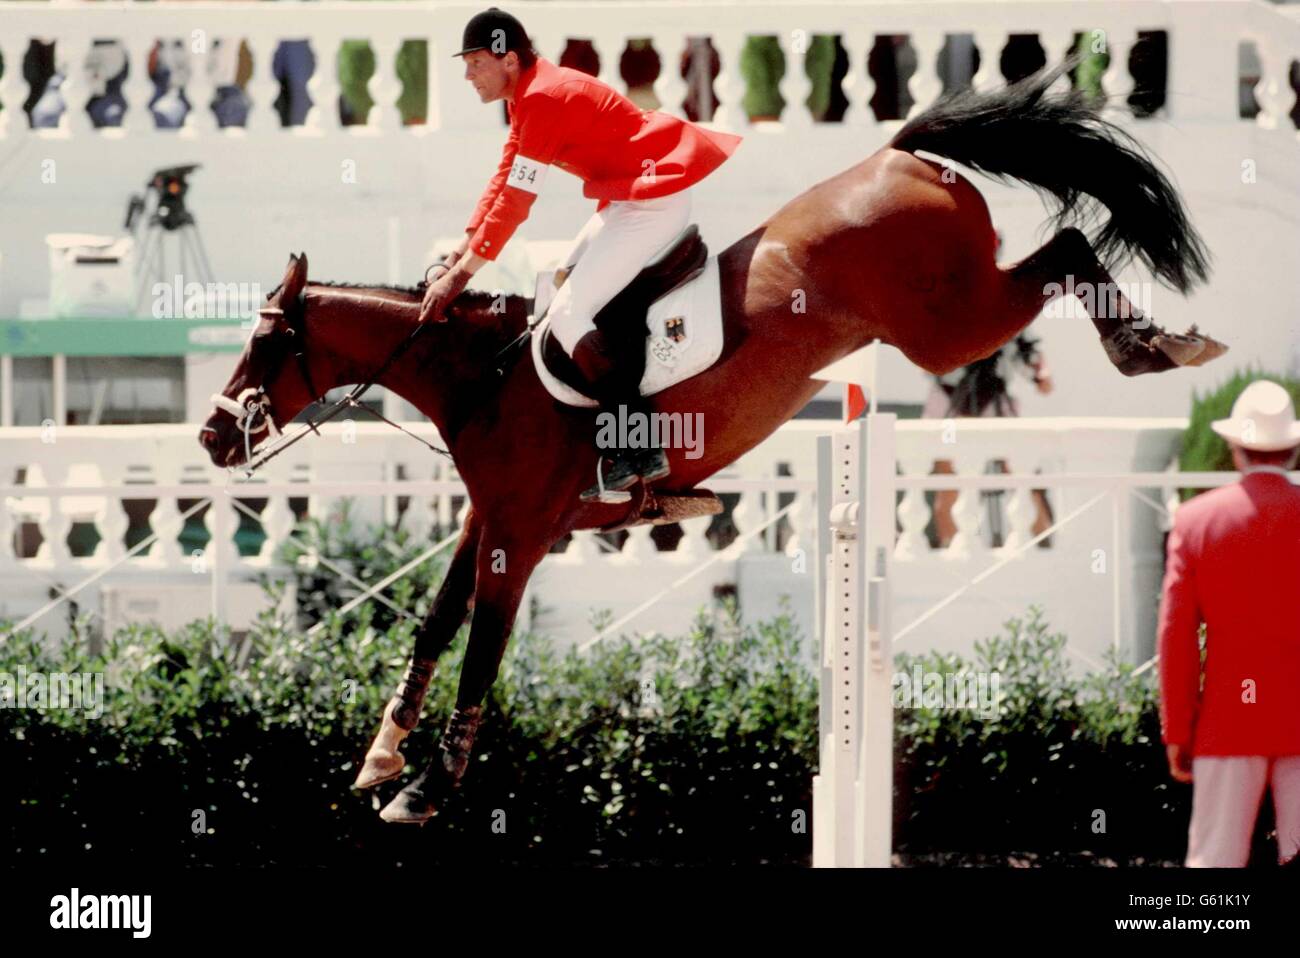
{"type": "Point", "coordinates": [268, 388]}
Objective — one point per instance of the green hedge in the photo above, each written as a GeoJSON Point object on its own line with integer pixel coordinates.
{"type": "Point", "coordinates": [581, 766]}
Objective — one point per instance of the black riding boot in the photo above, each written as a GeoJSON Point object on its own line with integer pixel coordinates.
{"type": "Point", "coordinates": [615, 384]}
{"type": "Point", "coordinates": [628, 464]}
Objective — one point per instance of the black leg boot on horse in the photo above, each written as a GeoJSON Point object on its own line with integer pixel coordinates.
{"type": "Point", "coordinates": [613, 372]}
{"type": "Point", "coordinates": [418, 802]}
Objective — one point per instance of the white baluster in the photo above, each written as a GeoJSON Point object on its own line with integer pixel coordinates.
{"type": "Point", "coordinates": [138, 89]}
{"type": "Point", "coordinates": [418, 519]}
{"type": "Point", "coordinates": [57, 525]}
{"type": "Point", "coordinates": [796, 85]}
{"type": "Point", "coordinates": [165, 550]}
{"type": "Point", "coordinates": [1116, 84]}
{"type": "Point", "coordinates": [669, 87]}
{"type": "Point", "coordinates": [966, 540]}
{"type": "Point", "coordinates": [1020, 515]}
{"type": "Point", "coordinates": [925, 85]}
{"type": "Point", "coordinates": [323, 87]}
{"type": "Point", "coordinates": [548, 41]}
{"type": "Point", "coordinates": [1273, 91]}
{"type": "Point", "coordinates": [200, 89]}
{"type": "Point", "coordinates": [913, 513]}
{"type": "Point", "coordinates": [383, 86]}
{"type": "Point", "coordinates": [694, 543]}
{"type": "Point", "coordinates": [263, 87]}
{"type": "Point", "coordinates": [111, 521]}
{"type": "Point", "coordinates": [13, 121]}
{"type": "Point", "coordinates": [221, 548]}
{"type": "Point", "coordinates": [730, 84]}
{"type": "Point", "coordinates": [609, 48]}
{"type": "Point", "coordinates": [639, 545]}
{"type": "Point", "coordinates": [1056, 48]}
{"type": "Point", "coordinates": [857, 84]}
{"type": "Point", "coordinates": [802, 518]}
{"type": "Point", "coordinates": [8, 556]}
{"type": "Point", "coordinates": [989, 43]}
{"type": "Point", "coordinates": [70, 51]}
{"type": "Point", "coordinates": [583, 546]}
{"type": "Point", "coordinates": [277, 522]}
{"type": "Point", "coordinates": [748, 514]}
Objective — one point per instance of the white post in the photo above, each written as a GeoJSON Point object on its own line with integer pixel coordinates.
{"type": "Point", "coordinates": [853, 794]}
{"type": "Point", "coordinates": [59, 388]}
{"type": "Point", "coordinates": [6, 390]}
{"type": "Point", "coordinates": [217, 555]}
{"type": "Point", "coordinates": [876, 762]}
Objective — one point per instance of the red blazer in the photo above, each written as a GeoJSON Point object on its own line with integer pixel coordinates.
{"type": "Point", "coordinates": [566, 118]}
{"type": "Point", "coordinates": [1233, 563]}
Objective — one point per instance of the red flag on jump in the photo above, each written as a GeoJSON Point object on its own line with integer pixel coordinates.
{"type": "Point", "coordinates": [855, 402]}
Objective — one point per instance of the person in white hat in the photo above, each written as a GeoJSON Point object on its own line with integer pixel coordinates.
{"type": "Point", "coordinates": [1232, 727]}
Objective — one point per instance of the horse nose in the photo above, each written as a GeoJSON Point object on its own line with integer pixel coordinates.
{"type": "Point", "coordinates": [208, 438]}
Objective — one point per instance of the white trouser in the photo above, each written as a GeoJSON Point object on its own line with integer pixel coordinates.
{"type": "Point", "coordinates": [611, 249]}
{"type": "Point", "coordinates": [1227, 791]}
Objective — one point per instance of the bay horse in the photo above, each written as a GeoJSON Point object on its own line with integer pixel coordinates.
{"type": "Point", "coordinates": [898, 248]}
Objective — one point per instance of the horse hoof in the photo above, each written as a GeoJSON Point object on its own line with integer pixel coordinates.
{"type": "Point", "coordinates": [1213, 350]}
{"type": "Point", "coordinates": [379, 767]}
{"type": "Point", "coordinates": [1181, 349]}
{"type": "Point", "coordinates": [410, 807]}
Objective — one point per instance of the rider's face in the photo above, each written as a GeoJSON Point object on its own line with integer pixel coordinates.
{"type": "Point", "coordinates": [488, 74]}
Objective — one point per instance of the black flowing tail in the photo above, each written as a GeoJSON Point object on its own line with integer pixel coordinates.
{"type": "Point", "coordinates": [1059, 146]}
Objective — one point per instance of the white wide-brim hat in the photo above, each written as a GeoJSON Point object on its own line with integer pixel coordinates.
{"type": "Point", "coordinates": [1262, 419]}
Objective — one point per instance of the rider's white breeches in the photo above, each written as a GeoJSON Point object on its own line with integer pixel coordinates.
{"type": "Point", "coordinates": [614, 245]}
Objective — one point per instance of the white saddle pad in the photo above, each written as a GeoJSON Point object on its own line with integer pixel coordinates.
{"type": "Point", "coordinates": [685, 338]}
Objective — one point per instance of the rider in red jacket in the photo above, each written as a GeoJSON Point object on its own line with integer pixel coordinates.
{"type": "Point", "coordinates": [639, 165]}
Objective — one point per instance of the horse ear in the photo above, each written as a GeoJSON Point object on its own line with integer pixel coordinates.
{"type": "Point", "coordinates": [295, 278]}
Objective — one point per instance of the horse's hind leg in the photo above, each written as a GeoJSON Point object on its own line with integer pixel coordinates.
{"type": "Point", "coordinates": [383, 761]}
{"type": "Point", "coordinates": [1134, 344]}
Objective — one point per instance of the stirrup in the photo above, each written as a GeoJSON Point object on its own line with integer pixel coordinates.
{"type": "Point", "coordinates": [610, 496]}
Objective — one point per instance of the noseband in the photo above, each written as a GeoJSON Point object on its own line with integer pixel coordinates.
{"type": "Point", "coordinates": [252, 408]}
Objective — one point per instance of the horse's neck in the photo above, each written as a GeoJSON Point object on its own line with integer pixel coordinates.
{"type": "Point", "coordinates": [446, 371]}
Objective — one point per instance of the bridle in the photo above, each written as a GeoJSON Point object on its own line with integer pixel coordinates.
{"type": "Point", "coordinates": [252, 410]}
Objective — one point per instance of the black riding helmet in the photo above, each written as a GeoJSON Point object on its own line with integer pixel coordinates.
{"type": "Point", "coordinates": [494, 30]}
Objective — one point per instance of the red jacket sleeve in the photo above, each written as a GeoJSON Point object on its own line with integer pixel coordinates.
{"type": "Point", "coordinates": [494, 185]}
{"type": "Point", "coordinates": [540, 133]}
{"type": "Point", "coordinates": [1179, 647]}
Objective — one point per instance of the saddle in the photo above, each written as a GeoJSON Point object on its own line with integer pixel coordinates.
{"type": "Point", "coordinates": [623, 318]}
{"type": "Point", "coordinates": [682, 285]}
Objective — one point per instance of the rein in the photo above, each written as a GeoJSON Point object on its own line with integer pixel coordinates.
{"type": "Point", "coordinates": [252, 408]}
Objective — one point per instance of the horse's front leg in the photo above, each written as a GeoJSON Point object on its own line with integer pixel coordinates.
{"type": "Point", "coordinates": [504, 565]}
{"type": "Point", "coordinates": [384, 762]}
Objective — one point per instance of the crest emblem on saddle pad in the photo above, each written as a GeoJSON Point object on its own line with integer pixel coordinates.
{"type": "Point", "coordinates": [674, 350]}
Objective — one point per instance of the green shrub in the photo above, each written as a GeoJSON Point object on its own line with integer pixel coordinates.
{"type": "Point", "coordinates": [1064, 757]}
{"type": "Point", "coordinates": [668, 751]}
{"type": "Point", "coordinates": [356, 65]}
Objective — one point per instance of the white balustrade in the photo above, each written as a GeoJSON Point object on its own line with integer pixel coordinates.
{"type": "Point", "coordinates": [89, 472]}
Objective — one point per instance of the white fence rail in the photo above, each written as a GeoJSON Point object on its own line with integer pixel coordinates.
{"type": "Point", "coordinates": [1097, 576]}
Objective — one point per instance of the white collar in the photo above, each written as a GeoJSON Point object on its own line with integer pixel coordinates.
{"type": "Point", "coordinates": [1277, 470]}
